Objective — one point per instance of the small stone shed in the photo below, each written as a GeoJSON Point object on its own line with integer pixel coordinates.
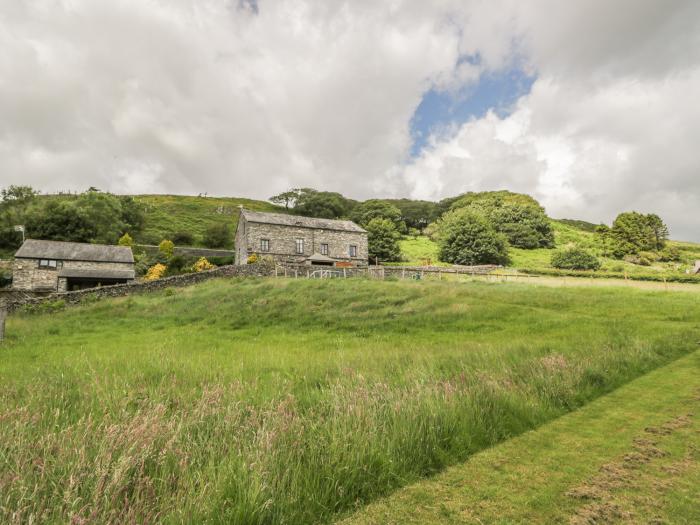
{"type": "Point", "coordinates": [55, 266]}
{"type": "Point", "coordinates": [293, 239]}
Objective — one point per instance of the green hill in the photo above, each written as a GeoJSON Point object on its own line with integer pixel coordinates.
{"type": "Point", "coordinates": [280, 401]}
{"type": "Point", "coordinates": [168, 214]}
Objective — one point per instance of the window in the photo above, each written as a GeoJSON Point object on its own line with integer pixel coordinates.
{"type": "Point", "coordinates": [324, 248]}
{"type": "Point", "coordinates": [300, 245]}
{"type": "Point", "coordinates": [353, 250]}
{"type": "Point", "coordinates": [264, 245]}
{"type": "Point", "coordinates": [48, 263]}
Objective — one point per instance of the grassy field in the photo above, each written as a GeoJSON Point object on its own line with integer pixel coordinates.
{"type": "Point", "coordinates": [632, 456]}
{"type": "Point", "coordinates": [168, 214]}
{"type": "Point", "coordinates": [420, 249]}
{"type": "Point", "coordinates": [278, 401]}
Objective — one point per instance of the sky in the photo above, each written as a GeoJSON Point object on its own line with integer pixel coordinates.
{"type": "Point", "coordinates": [590, 106]}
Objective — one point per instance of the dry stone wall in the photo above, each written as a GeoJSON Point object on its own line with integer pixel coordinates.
{"type": "Point", "coordinates": [14, 299]}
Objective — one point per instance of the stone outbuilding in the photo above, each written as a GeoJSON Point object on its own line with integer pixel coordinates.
{"type": "Point", "coordinates": [50, 266]}
{"type": "Point", "coordinates": [292, 239]}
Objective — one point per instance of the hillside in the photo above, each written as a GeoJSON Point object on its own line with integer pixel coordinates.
{"type": "Point", "coordinates": [279, 401]}
{"type": "Point", "coordinates": [418, 250]}
{"type": "Point", "coordinates": [168, 214]}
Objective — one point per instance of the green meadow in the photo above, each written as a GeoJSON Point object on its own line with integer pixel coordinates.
{"type": "Point", "coordinates": [297, 402]}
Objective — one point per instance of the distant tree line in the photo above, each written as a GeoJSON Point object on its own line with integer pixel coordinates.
{"type": "Point", "coordinates": [91, 216]}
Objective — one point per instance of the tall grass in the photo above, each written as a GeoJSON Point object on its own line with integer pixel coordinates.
{"type": "Point", "coordinates": [294, 402]}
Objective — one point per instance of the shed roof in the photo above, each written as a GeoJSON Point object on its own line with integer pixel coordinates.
{"type": "Point", "coordinates": [284, 219]}
{"type": "Point", "coordinates": [317, 257]}
{"type": "Point", "coordinates": [97, 274]}
{"type": "Point", "coordinates": [74, 251]}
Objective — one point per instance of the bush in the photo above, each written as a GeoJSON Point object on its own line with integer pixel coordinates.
{"type": "Point", "coordinates": [182, 238]}
{"type": "Point", "coordinates": [670, 254]}
{"type": "Point", "coordinates": [253, 258]}
{"type": "Point", "coordinates": [466, 237]}
{"type": "Point", "coordinates": [575, 259]}
{"type": "Point", "coordinates": [167, 248]}
{"type": "Point", "coordinates": [126, 240]}
{"type": "Point", "coordinates": [218, 236]}
{"type": "Point", "coordinates": [202, 265]}
{"type": "Point", "coordinates": [177, 265]}
{"type": "Point", "coordinates": [156, 271]}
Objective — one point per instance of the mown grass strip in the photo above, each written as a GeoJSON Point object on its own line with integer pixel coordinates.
{"type": "Point", "coordinates": [631, 456]}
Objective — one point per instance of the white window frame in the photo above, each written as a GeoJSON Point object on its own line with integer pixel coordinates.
{"type": "Point", "coordinates": [299, 246]}
{"type": "Point", "coordinates": [324, 248]}
{"type": "Point", "coordinates": [264, 245]}
{"type": "Point", "coordinates": [352, 250]}
{"type": "Point", "coordinates": [50, 264]}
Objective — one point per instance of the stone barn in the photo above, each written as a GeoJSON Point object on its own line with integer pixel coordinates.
{"type": "Point", "coordinates": [292, 239]}
{"type": "Point", "coordinates": [51, 266]}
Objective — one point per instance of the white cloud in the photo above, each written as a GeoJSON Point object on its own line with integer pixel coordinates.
{"type": "Point", "coordinates": [208, 96]}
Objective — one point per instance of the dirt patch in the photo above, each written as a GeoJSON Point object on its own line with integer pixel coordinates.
{"type": "Point", "coordinates": [598, 491]}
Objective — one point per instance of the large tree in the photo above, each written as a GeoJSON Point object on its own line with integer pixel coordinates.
{"type": "Point", "coordinates": [633, 232]}
{"type": "Point", "coordinates": [364, 212]}
{"type": "Point", "coordinates": [466, 237]}
{"type": "Point", "coordinates": [383, 240]}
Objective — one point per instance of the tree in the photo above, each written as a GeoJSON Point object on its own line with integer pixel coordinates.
{"type": "Point", "coordinates": [60, 220]}
{"type": "Point", "coordinates": [324, 204]}
{"type": "Point", "coordinates": [18, 194]}
{"type": "Point", "coordinates": [218, 235]}
{"type": "Point", "coordinates": [166, 248]}
{"type": "Point", "coordinates": [466, 237]}
{"type": "Point", "coordinates": [632, 233]}
{"type": "Point", "coordinates": [519, 217]}
{"type": "Point", "coordinates": [126, 240]}
{"type": "Point", "coordinates": [383, 240]}
{"type": "Point", "coordinates": [659, 231]}
{"type": "Point", "coordinates": [288, 198]}
{"type": "Point", "coordinates": [416, 214]}
{"type": "Point", "coordinates": [364, 212]}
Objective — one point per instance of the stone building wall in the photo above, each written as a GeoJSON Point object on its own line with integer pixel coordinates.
{"type": "Point", "coordinates": [283, 243]}
{"type": "Point", "coordinates": [28, 276]}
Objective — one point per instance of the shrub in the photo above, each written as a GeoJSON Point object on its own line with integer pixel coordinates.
{"type": "Point", "coordinates": [383, 240]}
{"type": "Point", "coordinates": [670, 254]}
{"type": "Point", "coordinates": [202, 264]}
{"type": "Point", "coordinates": [126, 240]}
{"type": "Point", "coordinates": [218, 236]}
{"type": "Point", "coordinates": [157, 271]}
{"type": "Point", "coordinates": [167, 248]}
{"type": "Point", "coordinates": [182, 238]}
{"type": "Point", "coordinates": [253, 258]}
{"type": "Point", "coordinates": [177, 265]}
{"type": "Point", "coordinates": [466, 237]}
{"type": "Point", "coordinates": [574, 259]}
{"type": "Point", "coordinates": [221, 261]}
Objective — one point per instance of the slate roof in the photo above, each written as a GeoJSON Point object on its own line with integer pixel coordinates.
{"type": "Point", "coordinates": [284, 219]}
{"type": "Point", "coordinates": [74, 251]}
{"type": "Point", "coordinates": [97, 274]}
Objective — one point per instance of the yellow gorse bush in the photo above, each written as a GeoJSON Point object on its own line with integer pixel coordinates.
{"type": "Point", "coordinates": [252, 259]}
{"type": "Point", "coordinates": [203, 264]}
{"type": "Point", "coordinates": [155, 272]}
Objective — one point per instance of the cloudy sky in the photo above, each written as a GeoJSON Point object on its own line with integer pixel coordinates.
{"type": "Point", "coordinates": [591, 106]}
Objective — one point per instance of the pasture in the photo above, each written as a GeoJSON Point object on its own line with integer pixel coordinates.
{"type": "Point", "coordinates": [282, 401]}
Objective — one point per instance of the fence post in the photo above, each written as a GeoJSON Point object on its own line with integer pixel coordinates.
{"type": "Point", "coordinates": [3, 316]}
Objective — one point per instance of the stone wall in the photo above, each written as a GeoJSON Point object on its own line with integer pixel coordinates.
{"type": "Point", "coordinates": [282, 245]}
{"type": "Point", "coordinates": [188, 251]}
{"type": "Point", "coordinates": [15, 299]}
